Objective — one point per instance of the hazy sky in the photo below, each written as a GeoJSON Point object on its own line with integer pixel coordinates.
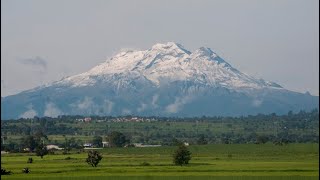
{"type": "Point", "coordinates": [45, 40]}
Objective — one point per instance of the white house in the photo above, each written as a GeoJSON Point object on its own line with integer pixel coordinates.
{"type": "Point", "coordinates": [87, 119]}
{"type": "Point", "coordinates": [86, 145]}
{"type": "Point", "coordinates": [51, 146]}
{"type": "Point", "coordinates": [4, 152]}
{"type": "Point", "coordinates": [105, 144]}
{"type": "Point", "coordinates": [144, 145]}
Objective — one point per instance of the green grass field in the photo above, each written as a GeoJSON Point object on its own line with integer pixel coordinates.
{"type": "Point", "coordinates": [219, 161]}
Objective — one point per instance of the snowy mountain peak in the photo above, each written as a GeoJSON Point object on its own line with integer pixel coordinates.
{"type": "Point", "coordinates": [204, 51]}
{"type": "Point", "coordinates": [206, 54]}
{"type": "Point", "coordinates": [168, 63]}
{"type": "Point", "coordinates": [168, 47]}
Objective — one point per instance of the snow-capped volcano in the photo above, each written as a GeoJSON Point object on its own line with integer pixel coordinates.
{"type": "Point", "coordinates": [164, 80]}
{"type": "Point", "coordinates": [168, 63]}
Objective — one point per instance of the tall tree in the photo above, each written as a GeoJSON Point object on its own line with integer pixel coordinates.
{"type": "Point", "coordinates": [117, 139]}
{"type": "Point", "coordinates": [93, 159]}
{"type": "Point", "coordinates": [97, 141]}
{"type": "Point", "coordinates": [41, 150]}
{"type": "Point", "coordinates": [29, 142]}
{"type": "Point", "coordinates": [181, 156]}
{"type": "Point", "coordinates": [202, 140]}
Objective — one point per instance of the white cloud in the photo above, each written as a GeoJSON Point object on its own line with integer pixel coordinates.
{"type": "Point", "coordinates": [52, 110]}
{"type": "Point", "coordinates": [86, 103]}
{"type": "Point", "coordinates": [29, 113]}
{"type": "Point", "coordinates": [257, 102]}
{"type": "Point", "coordinates": [108, 105]}
{"type": "Point", "coordinates": [154, 100]}
{"type": "Point", "coordinates": [126, 111]}
{"type": "Point", "coordinates": [173, 108]}
{"type": "Point", "coordinates": [142, 107]}
{"type": "Point", "coordinates": [178, 104]}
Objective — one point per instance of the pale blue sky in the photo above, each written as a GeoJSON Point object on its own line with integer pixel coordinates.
{"type": "Point", "coordinates": [45, 40]}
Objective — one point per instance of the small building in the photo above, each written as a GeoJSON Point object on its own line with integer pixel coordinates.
{"type": "Point", "coordinates": [144, 145]}
{"type": "Point", "coordinates": [4, 152]}
{"type": "Point", "coordinates": [137, 144]}
{"type": "Point", "coordinates": [105, 144]}
{"type": "Point", "coordinates": [51, 146]}
{"type": "Point", "coordinates": [87, 145]}
{"type": "Point", "coordinates": [87, 119]}
{"type": "Point", "coordinates": [26, 149]}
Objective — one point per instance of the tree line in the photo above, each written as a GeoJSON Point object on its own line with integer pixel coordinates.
{"type": "Point", "coordinates": [298, 127]}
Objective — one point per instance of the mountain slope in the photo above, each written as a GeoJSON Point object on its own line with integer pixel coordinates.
{"type": "Point", "coordinates": [165, 80]}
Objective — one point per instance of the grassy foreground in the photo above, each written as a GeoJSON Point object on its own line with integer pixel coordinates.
{"type": "Point", "coordinates": [220, 161]}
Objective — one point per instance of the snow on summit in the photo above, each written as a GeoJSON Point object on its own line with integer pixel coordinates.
{"type": "Point", "coordinates": [169, 62]}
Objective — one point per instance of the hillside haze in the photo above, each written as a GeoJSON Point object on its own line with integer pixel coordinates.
{"type": "Point", "coordinates": [165, 80]}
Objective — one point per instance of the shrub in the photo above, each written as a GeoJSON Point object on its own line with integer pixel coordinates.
{"type": "Point", "coordinates": [5, 172]}
{"type": "Point", "coordinates": [26, 170]}
{"type": "Point", "coordinates": [181, 156]}
{"type": "Point", "coordinates": [145, 164]}
{"type": "Point", "coordinates": [94, 157]}
{"type": "Point", "coordinates": [202, 140]}
{"type": "Point", "coordinates": [261, 139]}
{"type": "Point", "coordinates": [65, 152]}
{"type": "Point", "coordinates": [68, 158]}
{"type": "Point", "coordinates": [51, 151]}
{"type": "Point", "coordinates": [30, 160]}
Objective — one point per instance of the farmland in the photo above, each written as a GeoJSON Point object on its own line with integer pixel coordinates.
{"type": "Point", "coordinates": [252, 147]}
{"type": "Point", "coordinates": [259, 161]}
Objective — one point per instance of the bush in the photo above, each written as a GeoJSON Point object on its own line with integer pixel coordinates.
{"type": "Point", "coordinates": [30, 160]}
{"type": "Point", "coordinates": [51, 151]}
{"type": "Point", "coordinates": [26, 170]}
{"type": "Point", "coordinates": [94, 157]}
{"type": "Point", "coordinates": [202, 140]}
{"type": "Point", "coordinates": [145, 164]}
{"type": "Point", "coordinates": [68, 158]}
{"type": "Point", "coordinates": [65, 152]}
{"type": "Point", "coordinates": [261, 139]}
{"type": "Point", "coordinates": [181, 156]}
{"type": "Point", "coordinates": [5, 172]}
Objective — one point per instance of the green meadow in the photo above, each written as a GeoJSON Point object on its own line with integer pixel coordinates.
{"type": "Point", "coordinates": [216, 161]}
